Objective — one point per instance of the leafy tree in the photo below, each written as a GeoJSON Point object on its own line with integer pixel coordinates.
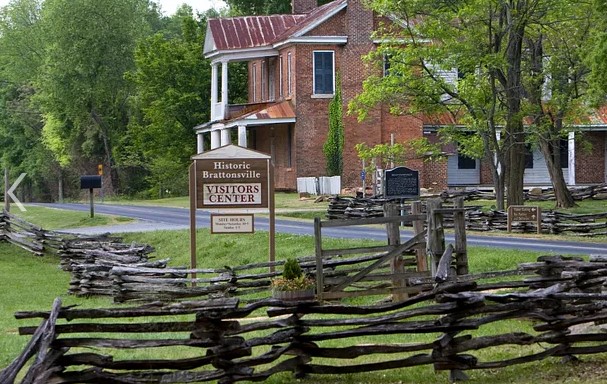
{"type": "Point", "coordinates": [488, 43]}
{"type": "Point", "coordinates": [173, 84]}
{"type": "Point", "coordinates": [262, 7]}
{"type": "Point", "coordinates": [259, 7]}
{"type": "Point", "coordinates": [21, 55]}
{"type": "Point", "coordinates": [89, 47]}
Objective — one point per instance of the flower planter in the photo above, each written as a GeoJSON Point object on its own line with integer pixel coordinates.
{"type": "Point", "coordinates": [297, 295]}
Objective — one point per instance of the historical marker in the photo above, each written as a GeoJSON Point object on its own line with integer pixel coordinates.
{"type": "Point", "coordinates": [401, 182]}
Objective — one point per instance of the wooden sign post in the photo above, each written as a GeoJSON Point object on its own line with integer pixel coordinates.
{"type": "Point", "coordinates": [232, 178]}
{"type": "Point", "coordinates": [525, 214]}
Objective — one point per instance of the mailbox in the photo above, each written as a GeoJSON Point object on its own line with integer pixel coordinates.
{"type": "Point", "coordinates": [90, 182]}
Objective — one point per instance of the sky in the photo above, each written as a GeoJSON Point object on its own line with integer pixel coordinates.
{"type": "Point", "coordinates": [170, 6]}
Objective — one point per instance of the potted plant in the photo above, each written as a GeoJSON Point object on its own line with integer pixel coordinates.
{"type": "Point", "coordinates": [293, 284]}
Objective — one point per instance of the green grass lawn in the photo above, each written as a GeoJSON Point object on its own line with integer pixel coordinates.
{"type": "Point", "coordinates": [31, 283]}
{"type": "Point", "coordinates": [51, 218]}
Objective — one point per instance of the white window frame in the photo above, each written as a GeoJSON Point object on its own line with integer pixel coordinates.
{"type": "Point", "coordinates": [280, 77]}
{"type": "Point", "coordinates": [314, 73]}
{"type": "Point", "coordinates": [254, 82]}
{"type": "Point", "coordinates": [264, 80]}
{"type": "Point", "coordinates": [289, 73]}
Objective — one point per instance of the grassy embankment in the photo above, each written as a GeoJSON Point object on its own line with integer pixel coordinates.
{"type": "Point", "coordinates": [31, 283]}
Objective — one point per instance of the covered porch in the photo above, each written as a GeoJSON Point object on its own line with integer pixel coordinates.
{"type": "Point", "coordinates": [266, 127]}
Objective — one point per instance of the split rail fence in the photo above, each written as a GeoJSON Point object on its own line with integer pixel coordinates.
{"type": "Point", "coordinates": [554, 222]}
{"type": "Point", "coordinates": [454, 327]}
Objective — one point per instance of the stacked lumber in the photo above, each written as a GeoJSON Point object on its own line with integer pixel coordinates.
{"type": "Point", "coordinates": [557, 302]}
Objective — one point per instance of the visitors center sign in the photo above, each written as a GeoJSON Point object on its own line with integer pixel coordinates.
{"type": "Point", "coordinates": [231, 182]}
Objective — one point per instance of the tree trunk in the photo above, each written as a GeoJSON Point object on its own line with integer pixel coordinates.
{"type": "Point", "coordinates": [551, 152]}
{"type": "Point", "coordinates": [515, 134]}
{"type": "Point", "coordinates": [104, 130]}
{"type": "Point", "coordinates": [548, 124]}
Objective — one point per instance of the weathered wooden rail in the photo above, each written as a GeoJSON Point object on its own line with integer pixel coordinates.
{"type": "Point", "coordinates": [89, 259]}
{"type": "Point", "coordinates": [449, 327]}
{"type": "Point", "coordinates": [381, 270]}
{"type": "Point", "coordinates": [553, 222]}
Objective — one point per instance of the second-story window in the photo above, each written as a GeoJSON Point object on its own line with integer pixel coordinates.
{"type": "Point", "coordinates": [324, 74]}
{"type": "Point", "coordinates": [280, 77]}
{"type": "Point", "coordinates": [254, 82]}
{"type": "Point", "coordinates": [264, 81]}
{"type": "Point", "coordinates": [289, 69]}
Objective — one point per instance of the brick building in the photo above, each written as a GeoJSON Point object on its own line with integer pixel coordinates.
{"type": "Point", "coordinates": [293, 61]}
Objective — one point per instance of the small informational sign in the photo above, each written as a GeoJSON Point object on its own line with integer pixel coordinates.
{"type": "Point", "coordinates": [401, 182]}
{"type": "Point", "coordinates": [363, 174]}
{"type": "Point", "coordinates": [525, 214]}
{"type": "Point", "coordinates": [232, 223]}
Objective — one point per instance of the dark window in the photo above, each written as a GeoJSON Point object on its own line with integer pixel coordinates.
{"type": "Point", "coordinates": [465, 162]}
{"type": "Point", "coordinates": [564, 149]}
{"type": "Point", "coordinates": [528, 157]}
{"type": "Point", "coordinates": [386, 65]}
{"type": "Point", "coordinates": [323, 73]}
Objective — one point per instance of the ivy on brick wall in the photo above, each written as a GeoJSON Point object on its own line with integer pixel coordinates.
{"type": "Point", "coordinates": [333, 148]}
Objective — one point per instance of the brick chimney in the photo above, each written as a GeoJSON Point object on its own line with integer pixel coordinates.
{"type": "Point", "coordinates": [303, 6]}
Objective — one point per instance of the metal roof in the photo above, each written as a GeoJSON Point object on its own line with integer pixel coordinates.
{"type": "Point", "coordinates": [246, 32]}
{"type": "Point", "coordinates": [277, 111]}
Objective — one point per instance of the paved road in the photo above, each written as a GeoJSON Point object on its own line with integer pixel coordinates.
{"type": "Point", "coordinates": [155, 218]}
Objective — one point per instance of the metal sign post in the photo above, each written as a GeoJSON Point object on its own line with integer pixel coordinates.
{"type": "Point", "coordinates": [90, 183]}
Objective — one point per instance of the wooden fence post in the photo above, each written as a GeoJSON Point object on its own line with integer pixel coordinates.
{"type": "Point", "coordinates": [397, 266]}
{"type": "Point", "coordinates": [320, 284]}
{"type": "Point", "coordinates": [418, 227]}
{"type": "Point", "coordinates": [436, 235]}
{"type": "Point", "coordinates": [459, 227]}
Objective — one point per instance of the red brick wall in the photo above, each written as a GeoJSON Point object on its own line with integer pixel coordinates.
{"type": "Point", "coordinates": [310, 131]}
{"type": "Point", "coordinates": [433, 175]}
{"type": "Point", "coordinates": [274, 140]}
{"type": "Point", "coordinates": [335, 26]}
{"type": "Point", "coordinates": [590, 165]}
{"type": "Point", "coordinates": [486, 176]}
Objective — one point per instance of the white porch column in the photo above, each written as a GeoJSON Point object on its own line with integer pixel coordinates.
{"type": "Point", "coordinates": [498, 136]}
{"type": "Point", "coordinates": [224, 86]}
{"type": "Point", "coordinates": [242, 136]}
{"type": "Point", "coordinates": [214, 83]}
{"type": "Point", "coordinates": [215, 139]}
{"type": "Point", "coordinates": [225, 137]}
{"type": "Point", "coordinates": [571, 158]}
{"type": "Point", "coordinates": [199, 143]}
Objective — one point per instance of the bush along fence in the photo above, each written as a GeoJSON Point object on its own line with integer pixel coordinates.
{"type": "Point", "coordinates": [89, 259]}
{"type": "Point", "coordinates": [454, 327]}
